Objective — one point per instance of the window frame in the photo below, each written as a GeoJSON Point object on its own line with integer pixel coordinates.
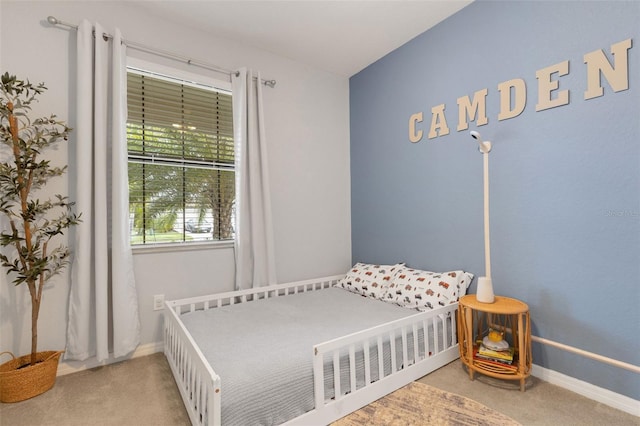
{"type": "Point", "coordinates": [196, 78]}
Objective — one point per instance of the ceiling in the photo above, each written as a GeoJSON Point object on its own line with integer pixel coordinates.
{"type": "Point", "coordinates": [342, 37]}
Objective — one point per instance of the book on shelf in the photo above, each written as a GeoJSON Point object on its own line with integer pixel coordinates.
{"type": "Point", "coordinates": [500, 364]}
{"type": "Point", "coordinates": [504, 356]}
{"type": "Point", "coordinates": [497, 360]}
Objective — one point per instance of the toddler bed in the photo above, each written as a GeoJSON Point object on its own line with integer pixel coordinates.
{"type": "Point", "coordinates": [309, 352]}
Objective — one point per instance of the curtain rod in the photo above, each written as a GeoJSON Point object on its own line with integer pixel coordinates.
{"type": "Point", "coordinates": [142, 48]}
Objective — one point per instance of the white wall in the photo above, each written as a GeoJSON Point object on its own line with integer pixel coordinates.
{"type": "Point", "coordinates": [307, 130]}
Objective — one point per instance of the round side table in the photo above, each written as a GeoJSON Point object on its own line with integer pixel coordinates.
{"type": "Point", "coordinates": [507, 315]}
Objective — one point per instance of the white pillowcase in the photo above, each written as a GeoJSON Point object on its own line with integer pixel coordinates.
{"type": "Point", "coordinates": [424, 290]}
{"type": "Point", "coordinates": [369, 280]}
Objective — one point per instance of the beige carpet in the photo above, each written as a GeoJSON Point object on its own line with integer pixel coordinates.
{"type": "Point", "coordinates": [420, 404]}
{"type": "Point", "coordinates": [142, 392]}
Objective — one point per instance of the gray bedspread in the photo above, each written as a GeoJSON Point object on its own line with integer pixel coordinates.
{"type": "Point", "coordinates": [262, 350]}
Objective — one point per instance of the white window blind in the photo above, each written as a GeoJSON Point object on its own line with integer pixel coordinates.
{"type": "Point", "coordinates": [181, 160]}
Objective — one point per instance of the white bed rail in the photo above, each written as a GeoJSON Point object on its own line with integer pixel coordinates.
{"type": "Point", "coordinates": [409, 362]}
{"type": "Point", "coordinates": [199, 385]}
{"type": "Point", "coordinates": [211, 301]}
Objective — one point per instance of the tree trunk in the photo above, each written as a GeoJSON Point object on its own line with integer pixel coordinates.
{"type": "Point", "coordinates": [35, 309]}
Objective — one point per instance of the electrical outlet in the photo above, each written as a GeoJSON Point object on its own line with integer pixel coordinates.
{"type": "Point", "coordinates": [158, 302]}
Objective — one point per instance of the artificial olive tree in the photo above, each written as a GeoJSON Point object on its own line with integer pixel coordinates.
{"type": "Point", "coordinates": [32, 223]}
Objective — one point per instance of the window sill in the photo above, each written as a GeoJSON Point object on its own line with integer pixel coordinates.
{"type": "Point", "coordinates": [177, 247]}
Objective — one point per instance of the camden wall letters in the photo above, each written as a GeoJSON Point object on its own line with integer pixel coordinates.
{"type": "Point", "coordinates": [513, 93]}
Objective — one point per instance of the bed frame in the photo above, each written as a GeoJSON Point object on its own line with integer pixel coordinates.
{"type": "Point", "coordinates": [201, 389]}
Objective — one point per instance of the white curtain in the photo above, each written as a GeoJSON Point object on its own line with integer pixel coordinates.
{"type": "Point", "coordinates": [254, 253]}
{"type": "Point", "coordinates": [103, 299]}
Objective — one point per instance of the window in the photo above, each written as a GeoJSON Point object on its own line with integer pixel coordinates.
{"type": "Point", "coordinates": [181, 160]}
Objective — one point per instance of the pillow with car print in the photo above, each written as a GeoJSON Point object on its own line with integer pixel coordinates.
{"type": "Point", "coordinates": [424, 290]}
{"type": "Point", "coordinates": [369, 280]}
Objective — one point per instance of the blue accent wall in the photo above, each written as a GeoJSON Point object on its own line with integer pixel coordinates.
{"type": "Point", "coordinates": [565, 182]}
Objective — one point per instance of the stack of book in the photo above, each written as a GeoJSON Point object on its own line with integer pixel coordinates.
{"type": "Point", "coordinates": [503, 357]}
{"type": "Point", "coordinates": [493, 358]}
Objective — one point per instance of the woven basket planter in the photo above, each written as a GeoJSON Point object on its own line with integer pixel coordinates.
{"type": "Point", "coordinates": [18, 384]}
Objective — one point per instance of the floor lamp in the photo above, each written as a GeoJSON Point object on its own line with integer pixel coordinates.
{"type": "Point", "coordinates": [484, 293]}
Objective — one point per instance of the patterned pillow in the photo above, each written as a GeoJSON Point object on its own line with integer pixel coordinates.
{"type": "Point", "coordinates": [424, 290]}
{"type": "Point", "coordinates": [369, 280]}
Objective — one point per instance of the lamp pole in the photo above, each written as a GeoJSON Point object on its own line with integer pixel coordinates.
{"type": "Point", "coordinates": [487, 245]}
{"type": "Point", "coordinates": [484, 294]}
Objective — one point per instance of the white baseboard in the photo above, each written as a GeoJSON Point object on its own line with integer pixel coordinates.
{"type": "Point", "coordinates": [68, 367]}
{"type": "Point", "coordinates": [605, 396]}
